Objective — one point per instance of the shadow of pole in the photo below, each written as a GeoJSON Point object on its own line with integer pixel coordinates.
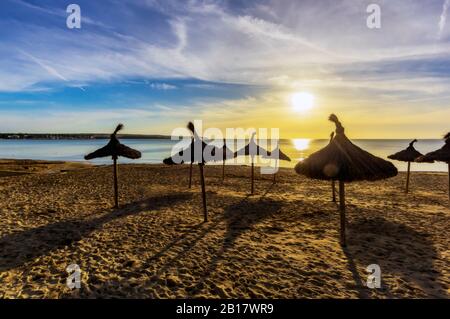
{"type": "Point", "coordinates": [19, 247]}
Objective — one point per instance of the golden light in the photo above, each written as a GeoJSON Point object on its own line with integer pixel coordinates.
{"type": "Point", "coordinates": [301, 144]}
{"type": "Point", "coordinates": [302, 101]}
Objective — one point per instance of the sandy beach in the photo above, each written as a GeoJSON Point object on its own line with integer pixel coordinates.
{"type": "Point", "coordinates": [282, 242]}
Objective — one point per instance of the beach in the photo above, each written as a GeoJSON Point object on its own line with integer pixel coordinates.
{"type": "Point", "coordinates": [282, 242]}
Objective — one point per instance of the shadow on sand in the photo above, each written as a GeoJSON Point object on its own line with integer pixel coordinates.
{"type": "Point", "coordinates": [399, 250]}
{"type": "Point", "coordinates": [240, 219]}
{"type": "Point", "coordinates": [20, 247]}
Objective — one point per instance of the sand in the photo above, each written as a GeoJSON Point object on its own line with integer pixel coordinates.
{"type": "Point", "coordinates": [283, 242]}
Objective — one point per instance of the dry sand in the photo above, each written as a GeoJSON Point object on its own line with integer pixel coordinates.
{"type": "Point", "coordinates": [283, 242]}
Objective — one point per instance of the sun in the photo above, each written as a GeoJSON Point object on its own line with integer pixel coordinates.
{"type": "Point", "coordinates": [302, 101]}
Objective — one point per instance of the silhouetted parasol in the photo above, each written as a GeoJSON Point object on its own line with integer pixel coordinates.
{"type": "Point", "coordinates": [343, 161]}
{"type": "Point", "coordinates": [440, 155]}
{"type": "Point", "coordinates": [252, 149]}
{"type": "Point", "coordinates": [115, 149]}
{"type": "Point", "coordinates": [195, 152]}
{"type": "Point", "coordinates": [407, 155]}
{"type": "Point", "coordinates": [277, 155]}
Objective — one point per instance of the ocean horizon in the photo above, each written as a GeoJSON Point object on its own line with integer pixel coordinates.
{"type": "Point", "coordinates": [155, 150]}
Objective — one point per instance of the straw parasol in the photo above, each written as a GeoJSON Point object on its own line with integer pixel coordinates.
{"type": "Point", "coordinates": [407, 155]}
{"type": "Point", "coordinates": [440, 155]}
{"type": "Point", "coordinates": [343, 161]}
{"type": "Point", "coordinates": [252, 149]}
{"type": "Point", "coordinates": [195, 156]}
{"type": "Point", "coordinates": [115, 149]}
{"type": "Point", "coordinates": [281, 157]}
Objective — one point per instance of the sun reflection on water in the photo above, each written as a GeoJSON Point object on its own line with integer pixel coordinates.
{"type": "Point", "coordinates": [301, 144]}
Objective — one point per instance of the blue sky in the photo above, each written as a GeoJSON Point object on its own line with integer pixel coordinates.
{"type": "Point", "coordinates": [154, 65]}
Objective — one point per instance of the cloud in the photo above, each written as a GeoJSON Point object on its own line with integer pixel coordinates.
{"type": "Point", "coordinates": [48, 68]}
{"type": "Point", "coordinates": [443, 18]}
{"type": "Point", "coordinates": [162, 86]}
{"type": "Point", "coordinates": [214, 43]}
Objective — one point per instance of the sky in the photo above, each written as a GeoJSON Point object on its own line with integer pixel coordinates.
{"type": "Point", "coordinates": [154, 65]}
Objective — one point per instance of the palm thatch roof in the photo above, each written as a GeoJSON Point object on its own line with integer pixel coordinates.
{"type": "Point", "coordinates": [223, 153]}
{"type": "Point", "coordinates": [114, 148]}
{"type": "Point", "coordinates": [195, 152]}
{"type": "Point", "coordinates": [407, 155]}
{"type": "Point", "coordinates": [441, 155]}
{"type": "Point", "coordinates": [344, 161]}
{"type": "Point", "coordinates": [252, 149]}
{"type": "Point", "coordinates": [277, 154]}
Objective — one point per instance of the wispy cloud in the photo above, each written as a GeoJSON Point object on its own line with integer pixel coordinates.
{"type": "Point", "coordinates": [51, 70]}
{"type": "Point", "coordinates": [163, 86]}
{"type": "Point", "coordinates": [443, 18]}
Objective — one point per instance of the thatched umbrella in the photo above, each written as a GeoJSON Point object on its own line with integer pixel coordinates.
{"type": "Point", "coordinates": [252, 149]}
{"type": "Point", "coordinates": [281, 157]}
{"type": "Point", "coordinates": [193, 152]}
{"type": "Point", "coordinates": [115, 149]}
{"type": "Point", "coordinates": [407, 155]}
{"type": "Point", "coordinates": [343, 161]}
{"type": "Point", "coordinates": [440, 155]}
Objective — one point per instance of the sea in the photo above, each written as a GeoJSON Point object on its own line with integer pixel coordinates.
{"type": "Point", "coordinates": [155, 150]}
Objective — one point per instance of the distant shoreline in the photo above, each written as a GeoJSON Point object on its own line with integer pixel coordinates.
{"type": "Point", "coordinates": [81, 136]}
{"type": "Point", "coordinates": [102, 136]}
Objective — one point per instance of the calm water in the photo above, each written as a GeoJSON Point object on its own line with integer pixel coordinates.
{"type": "Point", "coordinates": [153, 151]}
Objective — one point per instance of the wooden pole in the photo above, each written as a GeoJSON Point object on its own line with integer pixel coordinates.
{"type": "Point", "coordinates": [253, 187]}
{"type": "Point", "coordinates": [190, 176]}
{"type": "Point", "coordinates": [202, 179]}
{"type": "Point", "coordinates": [333, 187]}
{"type": "Point", "coordinates": [116, 184]}
{"type": "Point", "coordinates": [342, 211]}
{"type": "Point", "coordinates": [223, 170]}
{"type": "Point", "coordinates": [407, 177]}
{"type": "Point", "coordinates": [275, 174]}
{"type": "Point", "coordinates": [449, 181]}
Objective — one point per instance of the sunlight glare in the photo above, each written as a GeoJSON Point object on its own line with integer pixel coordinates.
{"type": "Point", "coordinates": [301, 144]}
{"type": "Point", "coordinates": [302, 101]}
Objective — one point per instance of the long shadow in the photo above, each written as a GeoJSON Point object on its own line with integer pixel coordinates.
{"type": "Point", "coordinates": [399, 250]}
{"type": "Point", "coordinates": [19, 247]}
{"type": "Point", "coordinates": [362, 293]}
{"type": "Point", "coordinates": [187, 240]}
{"type": "Point", "coordinates": [240, 219]}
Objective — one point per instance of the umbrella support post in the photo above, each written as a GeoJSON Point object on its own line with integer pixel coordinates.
{"type": "Point", "coordinates": [275, 174]}
{"type": "Point", "coordinates": [223, 171]}
{"type": "Point", "coordinates": [333, 187]}
{"type": "Point", "coordinates": [202, 179]}
{"type": "Point", "coordinates": [190, 175]}
{"type": "Point", "coordinates": [407, 177]}
{"type": "Point", "coordinates": [116, 186]}
{"type": "Point", "coordinates": [252, 177]}
{"type": "Point", "coordinates": [342, 211]}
